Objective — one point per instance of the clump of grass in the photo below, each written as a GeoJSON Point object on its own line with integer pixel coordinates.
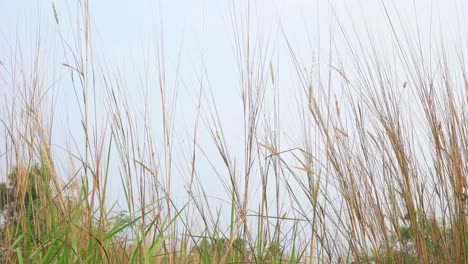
{"type": "Point", "coordinates": [379, 176]}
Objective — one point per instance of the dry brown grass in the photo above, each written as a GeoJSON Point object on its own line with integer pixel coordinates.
{"type": "Point", "coordinates": [379, 174]}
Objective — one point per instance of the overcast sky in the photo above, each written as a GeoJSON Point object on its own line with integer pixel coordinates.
{"type": "Point", "coordinates": [124, 36]}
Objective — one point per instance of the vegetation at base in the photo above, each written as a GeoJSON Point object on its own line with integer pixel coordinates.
{"type": "Point", "coordinates": [377, 174]}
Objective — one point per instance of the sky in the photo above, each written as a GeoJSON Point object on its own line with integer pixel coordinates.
{"type": "Point", "coordinates": [199, 35]}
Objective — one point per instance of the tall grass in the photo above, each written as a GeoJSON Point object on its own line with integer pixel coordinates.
{"type": "Point", "coordinates": [379, 174]}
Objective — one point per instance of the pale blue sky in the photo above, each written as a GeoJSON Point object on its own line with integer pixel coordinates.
{"type": "Point", "coordinates": [124, 34]}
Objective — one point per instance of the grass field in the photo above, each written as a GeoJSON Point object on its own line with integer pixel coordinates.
{"type": "Point", "coordinates": [376, 174]}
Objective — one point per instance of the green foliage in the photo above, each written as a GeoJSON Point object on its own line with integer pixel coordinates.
{"type": "Point", "coordinates": [5, 194]}
{"type": "Point", "coordinates": [22, 190]}
{"type": "Point", "coordinates": [212, 250]}
{"type": "Point", "coordinates": [438, 243]}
